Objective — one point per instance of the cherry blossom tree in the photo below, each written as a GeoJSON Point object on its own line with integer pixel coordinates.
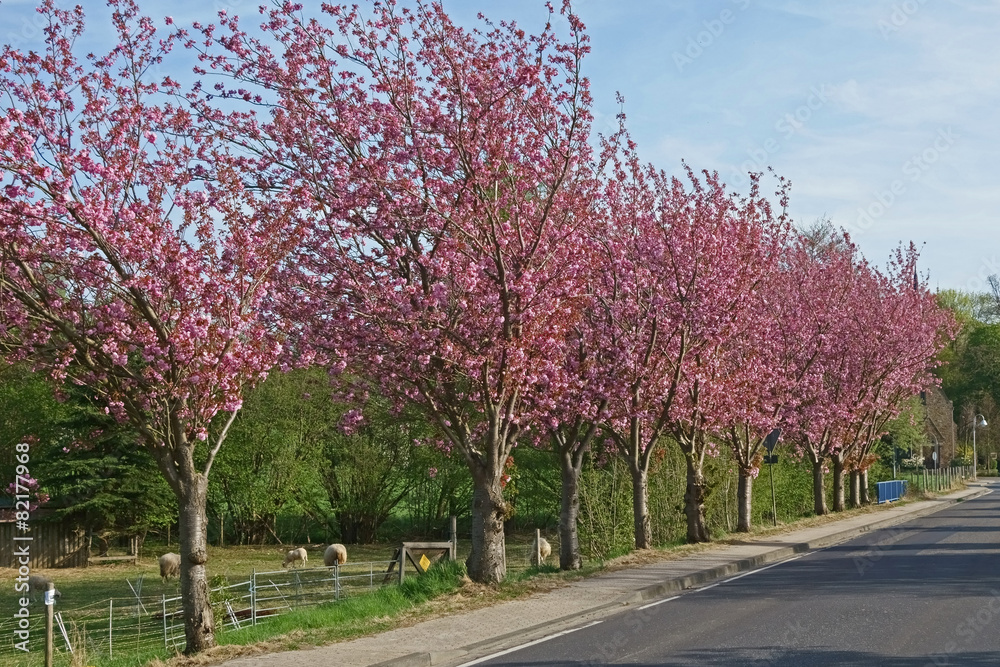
{"type": "Point", "coordinates": [135, 257]}
{"type": "Point", "coordinates": [857, 381]}
{"type": "Point", "coordinates": [444, 170]}
{"type": "Point", "coordinates": [870, 340]}
{"type": "Point", "coordinates": [770, 362]}
{"type": "Point", "coordinates": [907, 330]}
{"type": "Point", "coordinates": [852, 364]}
{"type": "Point", "coordinates": [757, 361]}
{"type": "Point", "coordinates": [682, 263]}
{"type": "Point", "coordinates": [821, 285]}
{"type": "Point", "coordinates": [720, 284]}
{"type": "Point", "coordinates": [569, 412]}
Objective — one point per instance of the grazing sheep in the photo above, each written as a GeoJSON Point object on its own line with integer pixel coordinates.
{"type": "Point", "coordinates": [335, 554]}
{"type": "Point", "coordinates": [37, 585]}
{"type": "Point", "coordinates": [544, 550]}
{"type": "Point", "coordinates": [170, 566]}
{"type": "Point", "coordinates": [294, 556]}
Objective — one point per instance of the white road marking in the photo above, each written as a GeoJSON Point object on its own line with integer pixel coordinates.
{"type": "Point", "coordinates": [524, 646]}
{"type": "Point", "coordinates": [726, 581]}
{"type": "Point", "coordinates": [653, 604]}
{"type": "Point", "coordinates": [761, 569]}
{"type": "Point", "coordinates": [645, 606]}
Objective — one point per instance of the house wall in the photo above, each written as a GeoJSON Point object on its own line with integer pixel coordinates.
{"type": "Point", "coordinates": [940, 423]}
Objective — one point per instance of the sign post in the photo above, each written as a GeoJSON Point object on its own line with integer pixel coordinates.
{"type": "Point", "coordinates": [769, 442]}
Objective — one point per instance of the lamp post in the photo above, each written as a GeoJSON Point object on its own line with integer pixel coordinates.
{"type": "Point", "coordinates": [977, 420]}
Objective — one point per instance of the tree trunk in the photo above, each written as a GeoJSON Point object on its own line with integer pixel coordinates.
{"type": "Point", "coordinates": [569, 543]}
{"type": "Point", "coordinates": [358, 527]}
{"type": "Point", "coordinates": [640, 508]}
{"type": "Point", "coordinates": [863, 483]}
{"type": "Point", "coordinates": [744, 502]}
{"type": "Point", "coordinates": [838, 483]}
{"type": "Point", "coordinates": [855, 488]}
{"type": "Point", "coordinates": [199, 622]}
{"type": "Point", "coordinates": [819, 492]}
{"type": "Point", "coordinates": [694, 502]}
{"type": "Point", "coordinates": [487, 562]}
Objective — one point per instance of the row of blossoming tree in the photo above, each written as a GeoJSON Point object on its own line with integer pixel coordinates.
{"type": "Point", "coordinates": [423, 208]}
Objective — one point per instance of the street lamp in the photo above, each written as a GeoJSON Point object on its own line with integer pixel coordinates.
{"type": "Point", "coordinates": [980, 421]}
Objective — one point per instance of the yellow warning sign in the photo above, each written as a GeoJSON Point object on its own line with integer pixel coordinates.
{"type": "Point", "coordinates": [425, 562]}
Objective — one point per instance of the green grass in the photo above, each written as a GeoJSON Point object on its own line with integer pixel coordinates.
{"type": "Point", "coordinates": [354, 616]}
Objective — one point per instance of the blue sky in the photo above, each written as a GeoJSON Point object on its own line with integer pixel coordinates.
{"type": "Point", "coordinates": [881, 113]}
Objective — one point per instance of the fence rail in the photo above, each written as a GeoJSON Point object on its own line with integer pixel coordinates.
{"type": "Point", "coordinates": [936, 479]}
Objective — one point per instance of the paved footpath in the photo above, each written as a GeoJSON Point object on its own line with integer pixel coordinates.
{"type": "Point", "coordinates": [463, 637]}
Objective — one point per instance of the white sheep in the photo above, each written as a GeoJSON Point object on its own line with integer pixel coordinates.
{"type": "Point", "coordinates": [544, 549]}
{"type": "Point", "coordinates": [37, 585]}
{"type": "Point", "coordinates": [294, 556]}
{"type": "Point", "coordinates": [170, 566]}
{"type": "Point", "coordinates": [335, 554]}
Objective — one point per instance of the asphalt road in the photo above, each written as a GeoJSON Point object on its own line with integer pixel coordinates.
{"type": "Point", "coordinates": [926, 592]}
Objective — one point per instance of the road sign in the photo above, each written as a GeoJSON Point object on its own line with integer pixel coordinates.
{"type": "Point", "coordinates": [771, 440]}
{"type": "Point", "coordinates": [771, 458]}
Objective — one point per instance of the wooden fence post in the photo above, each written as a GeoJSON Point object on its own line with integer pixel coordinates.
{"type": "Point", "coordinates": [454, 537]}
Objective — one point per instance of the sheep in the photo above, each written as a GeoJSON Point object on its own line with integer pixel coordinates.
{"type": "Point", "coordinates": [37, 585]}
{"type": "Point", "coordinates": [335, 554]}
{"type": "Point", "coordinates": [544, 549]}
{"type": "Point", "coordinates": [294, 556]}
{"type": "Point", "coordinates": [170, 566]}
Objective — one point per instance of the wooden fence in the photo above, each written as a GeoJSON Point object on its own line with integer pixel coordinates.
{"type": "Point", "coordinates": [51, 545]}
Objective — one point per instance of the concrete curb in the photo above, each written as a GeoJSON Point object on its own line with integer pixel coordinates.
{"type": "Point", "coordinates": [676, 584]}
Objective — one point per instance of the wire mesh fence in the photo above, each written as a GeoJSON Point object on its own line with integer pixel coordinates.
{"type": "Point", "coordinates": [280, 590]}
{"type": "Point", "coordinates": [119, 626]}
{"type": "Point", "coordinates": [521, 556]}
{"type": "Point", "coordinates": [100, 629]}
